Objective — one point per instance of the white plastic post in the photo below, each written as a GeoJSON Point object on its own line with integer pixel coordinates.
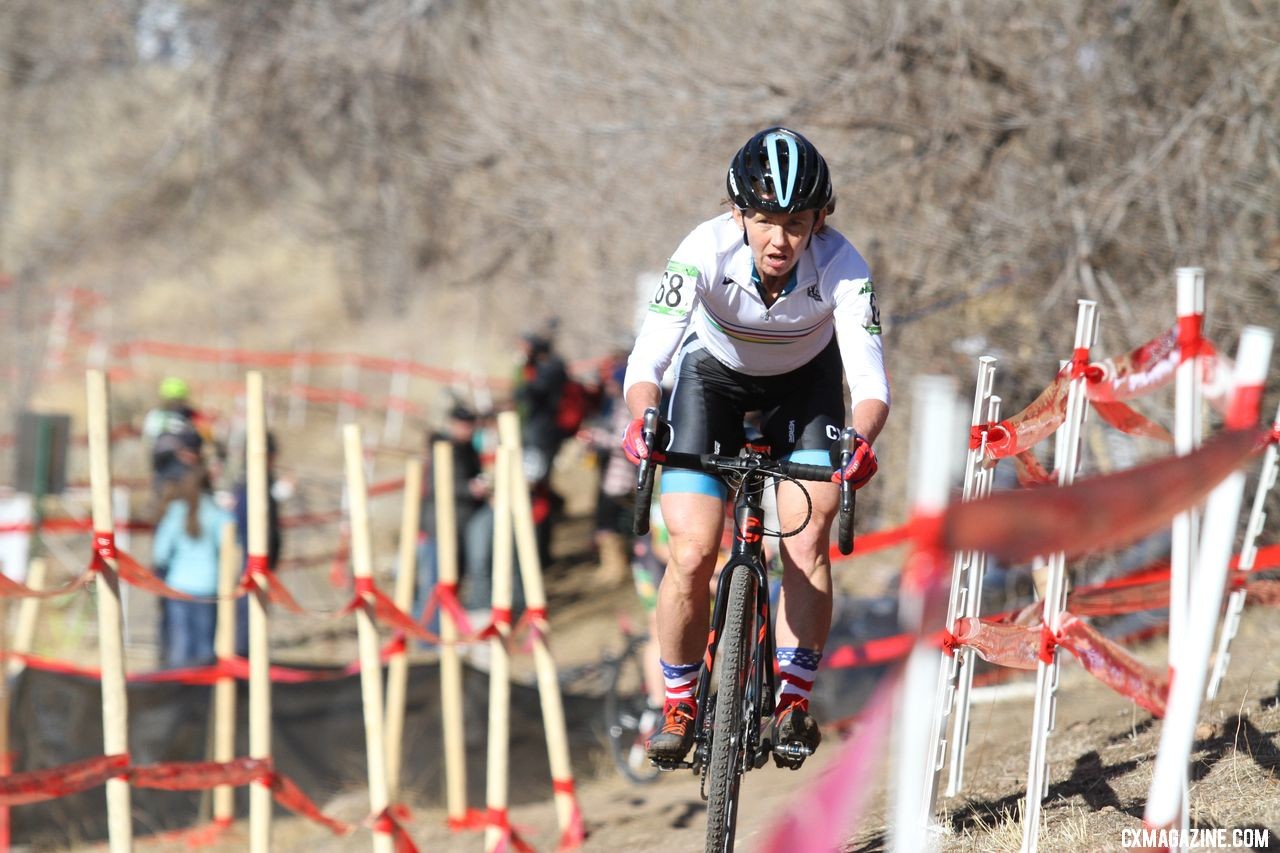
{"type": "Point", "coordinates": [1187, 434]}
{"type": "Point", "coordinates": [936, 412]}
{"type": "Point", "coordinates": [451, 710]}
{"type": "Point", "coordinates": [1055, 598]}
{"type": "Point", "coordinates": [224, 691]}
{"type": "Point", "coordinates": [367, 635]}
{"type": "Point", "coordinates": [1267, 476]}
{"type": "Point", "coordinates": [961, 571]}
{"type": "Point", "coordinates": [1166, 800]}
{"type": "Point", "coordinates": [499, 660]}
{"type": "Point", "coordinates": [256, 540]}
{"type": "Point", "coordinates": [973, 608]}
{"type": "Point", "coordinates": [1186, 438]}
{"type": "Point", "coordinates": [535, 598]}
{"type": "Point", "coordinates": [115, 709]}
{"type": "Point", "coordinates": [398, 666]}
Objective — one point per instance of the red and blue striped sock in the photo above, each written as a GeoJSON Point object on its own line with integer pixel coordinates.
{"type": "Point", "coordinates": [680, 680]}
{"type": "Point", "coordinates": [797, 669]}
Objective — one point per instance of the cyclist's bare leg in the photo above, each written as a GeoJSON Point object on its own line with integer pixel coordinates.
{"type": "Point", "coordinates": [694, 522]}
{"type": "Point", "coordinates": [653, 685]}
{"type": "Point", "coordinates": [804, 607]}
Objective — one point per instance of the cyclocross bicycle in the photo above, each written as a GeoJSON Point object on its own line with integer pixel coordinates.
{"type": "Point", "coordinates": [731, 737]}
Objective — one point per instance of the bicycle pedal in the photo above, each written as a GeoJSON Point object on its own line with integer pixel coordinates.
{"type": "Point", "coordinates": [670, 766]}
{"type": "Point", "coordinates": [790, 755]}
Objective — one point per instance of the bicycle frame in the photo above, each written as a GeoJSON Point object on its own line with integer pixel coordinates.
{"type": "Point", "coordinates": [747, 553]}
{"type": "Point", "coordinates": [753, 470]}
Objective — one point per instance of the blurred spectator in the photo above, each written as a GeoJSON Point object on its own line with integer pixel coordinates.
{"type": "Point", "coordinates": [187, 544]}
{"type": "Point", "coordinates": [615, 493]}
{"type": "Point", "coordinates": [173, 434]}
{"type": "Point", "coordinates": [539, 388]}
{"type": "Point", "coordinates": [274, 538]}
{"type": "Point", "coordinates": [473, 516]}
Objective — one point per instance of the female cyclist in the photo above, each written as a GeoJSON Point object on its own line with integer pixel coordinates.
{"type": "Point", "coordinates": [768, 309]}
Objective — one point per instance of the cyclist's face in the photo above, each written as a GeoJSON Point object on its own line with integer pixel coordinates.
{"type": "Point", "coordinates": [777, 239]}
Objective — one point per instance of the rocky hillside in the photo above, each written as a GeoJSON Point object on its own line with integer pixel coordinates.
{"type": "Point", "coordinates": [430, 178]}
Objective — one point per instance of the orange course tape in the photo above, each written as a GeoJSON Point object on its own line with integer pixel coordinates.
{"type": "Point", "coordinates": [1098, 512]}
{"type": "Point", "coordinates": [129, 569]}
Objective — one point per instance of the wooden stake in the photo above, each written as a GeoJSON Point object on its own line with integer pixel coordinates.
{"type": "Point", "coordinates": [536, 600]}
{"type": "Point", "coordinates": [257, 535]}
{"type": "Point", "coordinates": [499, 662]}
{"type": "Point", "coordinates": [398, 668]}
{"type": "Point", "coordinates": [370, 655]}
{"type": "Point", "coordinates": [24, 633]}
{"type": "Point", "coordinates": [451, 719]}
{"type": "Point", "coordinates": [224, 692]}
{"type": "Point", "coordinates": [115, 706]}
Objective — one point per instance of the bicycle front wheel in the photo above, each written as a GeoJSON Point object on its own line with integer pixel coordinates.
{"type": "Point", "coordinates": [728, 735]}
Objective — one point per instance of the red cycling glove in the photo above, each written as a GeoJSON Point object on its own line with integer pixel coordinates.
{"type": "Point", "coordinates": [862, 465]}
{"type": "Point", "coordinates": [633, 442]}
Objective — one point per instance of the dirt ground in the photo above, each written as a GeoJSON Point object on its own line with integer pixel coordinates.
{"type": "Point", "coordinates": [1101, 756]}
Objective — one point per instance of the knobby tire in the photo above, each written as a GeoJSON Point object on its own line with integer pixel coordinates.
{"type": "Point", "coordinates": [727, 737]}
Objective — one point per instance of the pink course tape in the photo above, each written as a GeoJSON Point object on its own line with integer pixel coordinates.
{"type": "Point", "coordinates": [821, 816]}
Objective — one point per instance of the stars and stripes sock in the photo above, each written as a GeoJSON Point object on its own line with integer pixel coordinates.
{"type": "Point", "coordinates": [680, 680]}
{"type": "Point", "coordinates": [796, 670]}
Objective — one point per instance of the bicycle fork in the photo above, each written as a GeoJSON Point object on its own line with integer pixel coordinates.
{"type": "Point", "coordinates": [747, 554]}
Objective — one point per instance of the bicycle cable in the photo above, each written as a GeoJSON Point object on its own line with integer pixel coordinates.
{"type": "Point", "coordinates": [771, 478]}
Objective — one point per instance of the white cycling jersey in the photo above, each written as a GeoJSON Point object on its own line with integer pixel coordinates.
{"type": "Point", "coordinates": [707, 290]}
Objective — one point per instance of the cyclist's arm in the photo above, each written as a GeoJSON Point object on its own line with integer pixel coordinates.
{"type": "Point", "coordinates": [869, 417]}
{"type": "Point", "coordinates": [857, 322]}
{"type": "Point", "coordinates": [664, 327]}
{"type": "Point", "coordinates": [641, 396]}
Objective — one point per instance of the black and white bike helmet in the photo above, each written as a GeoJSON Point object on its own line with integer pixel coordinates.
{"type": "Point", "coordinates": [779, 171]}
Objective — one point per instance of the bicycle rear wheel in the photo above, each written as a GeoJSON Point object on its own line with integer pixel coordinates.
{"type": "Point", "coordinates": [728, 736]}
{"type": "Point", "coordinates": [628, 719]}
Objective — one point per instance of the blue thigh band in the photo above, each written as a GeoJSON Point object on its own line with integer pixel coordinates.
{"type": "Point", "coordinates": [810, 457]}
{"type": "Point", "coordinates": [699, 483]}
{"type": "Point", "coordinates": [692, 482]}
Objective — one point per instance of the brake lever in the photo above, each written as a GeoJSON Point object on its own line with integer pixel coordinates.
{"type": "Point", "coordinates": [848, 437]}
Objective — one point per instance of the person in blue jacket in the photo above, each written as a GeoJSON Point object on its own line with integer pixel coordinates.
{"type": "Point", "coordinates": [187, 541]}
